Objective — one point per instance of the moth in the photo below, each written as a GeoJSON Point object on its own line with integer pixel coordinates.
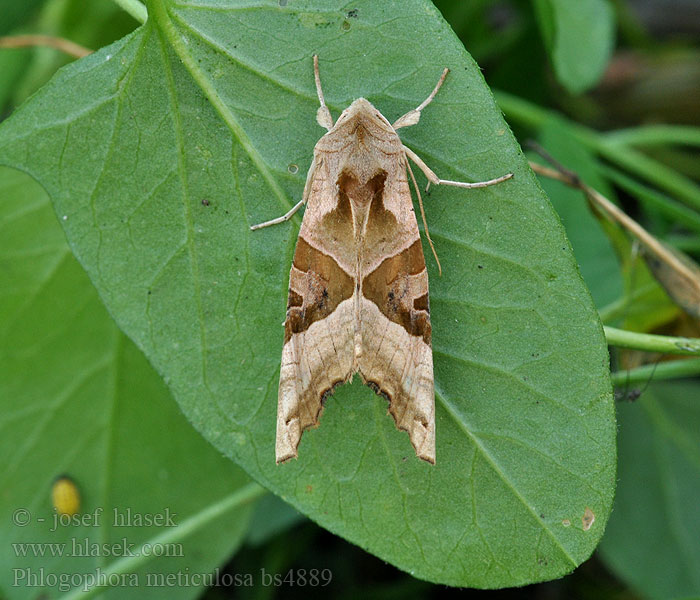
{"type": "Point", "coordinates": [358, 286]}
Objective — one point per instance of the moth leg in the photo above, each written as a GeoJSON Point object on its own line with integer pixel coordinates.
{"type": "Point", "coordinates": [323, 115]}
{"type": "Point", "coordinates": [285, 217]}
{"type": "Point", "coordinates": [290, 213]}
{"type": "Point", "coordinates": [413, 116]}
{"type": "Point", "coordinates": [433, 178]}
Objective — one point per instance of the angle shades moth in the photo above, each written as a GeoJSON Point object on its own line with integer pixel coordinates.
{"type": "Point", "coordinates": [358, 286]}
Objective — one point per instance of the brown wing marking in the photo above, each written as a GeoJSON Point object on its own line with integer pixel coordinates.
{"type": "Point", "coordinates": [396, 335]}
{"type": "Point", "coordinates": [318, 343]}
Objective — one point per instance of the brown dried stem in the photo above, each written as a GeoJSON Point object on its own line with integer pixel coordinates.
{"type": "Point", "coordinates": [32, 40]}
{"type": "Point", "coordinates": [653, 245]}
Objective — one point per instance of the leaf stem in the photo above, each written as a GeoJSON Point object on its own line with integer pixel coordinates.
{"type": "Point", "coordinates": [134, 8]}
{"type": "Point", "coordinates": [664, 370]}
{"type": "Point", "coordinates": [58, 43]}
{"type": "Point", "coordinates": [129, 564]}
{"type": "Point", "coordinates": [652, 343]}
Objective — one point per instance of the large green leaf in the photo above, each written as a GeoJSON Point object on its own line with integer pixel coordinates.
{"type": "Point", "coordinates": [77, 397]}
{"type": "Point", "coordinates": [653, 540]}
{"type": "Point", "coordinates": [159, 152]}
{"type": "Point", "coordinates": [580, 37]}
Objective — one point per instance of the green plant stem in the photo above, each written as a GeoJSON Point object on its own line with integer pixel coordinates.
{"type": "Point", "coordinates": [655, 135]}
{"type": "Point", "coordinates": [652, 343]}
{"type": "Point", "coordinates": [665, 370]}
{"type": "Point", "coordinates": [134, 8]}
{"type": "Point", "coordinates": [620, 154]}
{"type": "Point", "coordinates": [129, 564]}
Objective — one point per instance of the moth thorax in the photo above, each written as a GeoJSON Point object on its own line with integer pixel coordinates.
{"type": "Point", "coordinates": [363, 166]}
{"type": "Point", "coordinates": [361, 190]}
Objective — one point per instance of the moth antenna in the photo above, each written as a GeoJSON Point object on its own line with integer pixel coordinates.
{"type": "Point", "coordinates": [413, 116]}
{"type": "Point", "coordinates": [429, 99]}
{"type": "Point", "coordinates": [323, 115]}
{"type": "Point", "coordinates": [422, 214]}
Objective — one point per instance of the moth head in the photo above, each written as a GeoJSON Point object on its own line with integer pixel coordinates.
{"type": "Point", "coordinates": [361, 110]}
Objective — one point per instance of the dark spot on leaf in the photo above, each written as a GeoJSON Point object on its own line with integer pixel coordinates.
{"type": "Point", "coordinates": [480, 266]}
{"type": "Point", "coordinates": [352, 14]}
{"type": "Point", "coordinates": [205, 202]}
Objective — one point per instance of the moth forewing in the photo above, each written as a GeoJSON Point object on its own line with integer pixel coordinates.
{"type": "Point", "coordinates": [358, 286]}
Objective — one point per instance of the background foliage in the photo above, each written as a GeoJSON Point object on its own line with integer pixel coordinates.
{"type": "Point", "coordinates": [104, 418]}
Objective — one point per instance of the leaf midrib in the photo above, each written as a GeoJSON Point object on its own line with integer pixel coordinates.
{"type": "Point", "coordinates": [162, 18]}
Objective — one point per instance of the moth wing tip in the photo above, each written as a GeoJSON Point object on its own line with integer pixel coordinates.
{"type": "Point", "coordinates": [428, 458]}
{"type": "Point", "coordinates": [280, 459]}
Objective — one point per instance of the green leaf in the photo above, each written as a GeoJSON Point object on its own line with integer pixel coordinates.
{"type": "Point", "coordinates": [653, 538]}
{"type": "Point", "coordinates": [580, 37]}
{"type": "Point", "coordinates": [78, 398]}
{"type": "Point", "coordinates": [270, 518]}
{"type": "Point", "coordinates": [16, 13]}
{"type": "Point", "coordinates": [161, 150]}
{"type": "Point", "coordinates": [90, 24]}
{"type": "Point", "coordinates": [13, 62]}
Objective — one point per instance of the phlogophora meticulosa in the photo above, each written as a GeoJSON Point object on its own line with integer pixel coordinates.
{"type": "Point", "coordinates": [358, 287]}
